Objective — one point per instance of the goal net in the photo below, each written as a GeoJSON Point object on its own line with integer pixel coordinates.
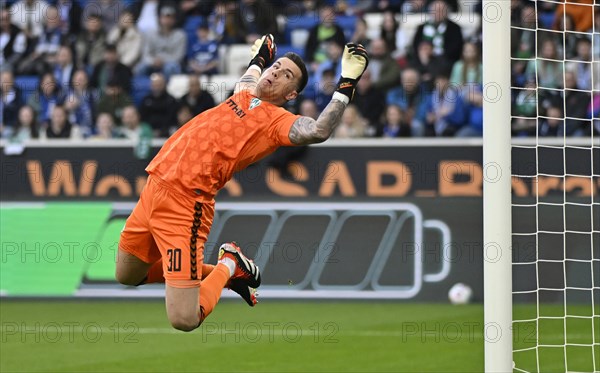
{"type": "Point", "coordinates": [555, 125]}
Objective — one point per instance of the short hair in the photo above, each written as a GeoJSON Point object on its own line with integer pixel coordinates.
{"type": "Point", "coordinates": [302, 66]}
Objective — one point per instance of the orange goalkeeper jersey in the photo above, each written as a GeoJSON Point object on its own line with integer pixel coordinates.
{"type": "Point", "coordinates": [202, 155]}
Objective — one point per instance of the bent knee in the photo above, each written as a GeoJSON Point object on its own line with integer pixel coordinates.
{"type": "Point", "coordinates": [185, 324]}
{"type": "Point", "coordinates": [126, 279]}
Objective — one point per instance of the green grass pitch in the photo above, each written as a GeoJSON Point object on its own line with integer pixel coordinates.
{"type": "Point", "coordinates": [276, 336]}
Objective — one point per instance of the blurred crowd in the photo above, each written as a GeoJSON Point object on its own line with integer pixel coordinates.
{"type": "Point", "coordinates": [100, 69]}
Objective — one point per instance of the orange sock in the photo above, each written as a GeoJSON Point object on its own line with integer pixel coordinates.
{"type": "Point", "coordinates": [211, 288]}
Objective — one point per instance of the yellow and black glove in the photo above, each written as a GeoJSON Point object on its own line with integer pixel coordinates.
{"type": "Point", "coordinates": [354, 63]}
{"type": "Point", "coordinates": [263, 51]}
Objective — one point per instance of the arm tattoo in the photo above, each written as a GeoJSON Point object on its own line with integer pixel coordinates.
{"type": "Point", "coordinates": [306, 130]}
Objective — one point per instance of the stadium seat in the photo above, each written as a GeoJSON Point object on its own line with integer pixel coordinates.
{"type": "Point", "coordinates": [140, 88]}
{"type": "Point", "coordinates": [304, 23]}
{"type": "Point", "coordinates": [299, 38]}
{"type": "Point", "coordinates": [27, 84]}
{"type": "Point", "coordinates": [219, 86]}
{"type": "Point", "coordinates": [178, 85]}
{"type": "Point", "coordinates": [283, 49]}
{"type": "Point", "coordinates": [236, 58]}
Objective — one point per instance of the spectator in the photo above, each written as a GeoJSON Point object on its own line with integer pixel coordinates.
{"type": "Point", "coordinates": [567, 26]}
{"type": "Point", "coordinates": [48, 96]}
{"type": "Point", "coordinates": [254, 19]}
{"type": "Point", "coordinates": [370, 102]}
{"type": "Point", "coordinates": [332, 63]}
{"type": "Point", "coordinates": [552, 125]}
{"type": "Point", "coordinates": [360, 33]}
{"type": "Point", "coordinates": [10, 102]}
{"type": "Point", "coordinates": [159, 108]}
{"type": "Point", "coordinates": [184, 115]}
{"type": "Point", "coordinates": [28, 15]}
{"type": "Point", "coordinates": [196, 98]}
{"type": "Point", "coordinates": [63, 69]}
{"type": "Point", "coordinates": [80, 103]}
{"type": "Point", "coordinates": [49, 42]}
{"type": "Point", "coordinates": [469, 69]}
{"type": "Point", "coordinates": [105, 127]}
{"type": "Point", "coordinates": [165, 49]}
{"type": "Point", "coordinates": [326, 30]}
{"type": "Point", "coordinates": [111, 69]}
{"type": "Point", "coordinates": [352, 124]}
{"type": "Point", "coordinates": [325, 88]}
{"type": "Point", "coordinates": [138, 132]}
{"type": "Point", "coordinates": [393, 35]}
{"type": "Point", "coordinates": [70, 17]}
{"type": "Point", "coordinates": [427, 64]}
{"type": "Point", "coordinates": [583, 69]}
{"type": "Point", "coordinates": [90, 44]}
{"type": "Point", "coordinates": [308, 108]}
{"type": "Point", "coordinates": [445, 112]}
{"type": "Point", "coordinates": [412, 98]}
{"type": "Point", "coordinates": [414, 6]}
{"type": "Point", "coordinates": [576, 104]}
{"type": "Point", "coordinates": [473, 98]}
{"type": "Point", "coordinates": [27, 127]}
{"type": "Point", "coordinates": [549, 68]}
{"type": "Point", "coordinates": [203, 55]}
{"type": "Point", "coordinates": [147, 16]}
{"type": "Point", "coordinates": [133, 128]}
{"type": "Point", "coordinates": [13, 42]}
{"type": "Point", "coordinates": [525, 110]}
{"type": "Point", "coordinates": [383, 5]}
{"type": "Point", "coordinates": [59, 127]}
{"type": "Point", "coordinates": [394, 124]}
{"type": "Point", "coordinates": [580, 10]}
{"type": "Point", "coordinates": [109, 10]}
{"type": "Point", "coordinates": [385, 72]}
{"type": "Point", "coordinates": [444, 34]}
{"type": "Point", "coordinates": [127, 39]}
{"type": "Point", "coordinates": [113, 100]}
{"type": "Point", "coordinates": [222, 22]}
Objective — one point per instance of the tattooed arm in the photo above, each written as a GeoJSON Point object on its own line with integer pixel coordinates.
{"type": "Point", "coordinates": [249, 80]}
{"type": "Point", "coordinates": [306, 130]}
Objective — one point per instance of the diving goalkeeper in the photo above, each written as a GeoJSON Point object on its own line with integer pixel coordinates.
{"type": "Point", "coordinates": [163, 238]}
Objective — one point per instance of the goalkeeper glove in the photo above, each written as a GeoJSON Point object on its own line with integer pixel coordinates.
{"type": "Point", "coordinates": [354, 63]}
{"type": "Point", "coordinates": [263, 51]}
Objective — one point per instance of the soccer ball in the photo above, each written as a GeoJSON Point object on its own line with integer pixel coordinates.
{"type": "Point", "coordinates": [460, 293]}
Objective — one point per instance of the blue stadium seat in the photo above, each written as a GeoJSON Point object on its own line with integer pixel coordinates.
{"type": "Point", "coordinates": [283, 49]}
{"type": "Point", "coordinates": [348, 24]}
{"type": "Point", "coordinates": [306, 23]}
{"type": "Point", "coordinates": [546, 19]}
{"type": "Point", "coordinates": [140, 88]}
{"type": "Point", "coordinates": [28, 84]}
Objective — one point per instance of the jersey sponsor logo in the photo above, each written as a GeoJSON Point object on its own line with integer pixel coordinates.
{"type": "Point", "coordinates": [254, 103]}
{"type": "Point", "coordinates": [236, 109]}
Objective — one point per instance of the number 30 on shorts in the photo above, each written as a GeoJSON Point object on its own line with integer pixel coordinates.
{"type": "Point", "coordinates": [174, 260]}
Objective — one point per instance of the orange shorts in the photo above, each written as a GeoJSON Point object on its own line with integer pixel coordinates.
{"type": "Point", "coordinates": [167, 224]}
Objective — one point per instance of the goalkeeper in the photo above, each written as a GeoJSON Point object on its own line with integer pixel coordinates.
{"type": "Point", "coordinates": [163, 238]}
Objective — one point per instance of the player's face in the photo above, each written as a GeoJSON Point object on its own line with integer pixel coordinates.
{"type": "Point", "coordinates": [279, 82]}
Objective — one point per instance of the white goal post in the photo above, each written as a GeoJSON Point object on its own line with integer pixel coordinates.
{"type": "Point", "coordinates": [497, 186]}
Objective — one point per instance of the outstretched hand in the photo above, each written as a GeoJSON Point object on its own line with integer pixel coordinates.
{"type": "Point", "coordinates": [263, 51]}
{"type": "Point", "coordinates": [355, 60]}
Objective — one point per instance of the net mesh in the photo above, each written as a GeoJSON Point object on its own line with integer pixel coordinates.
{"type": "Point", "coordinates": [555, 124]}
